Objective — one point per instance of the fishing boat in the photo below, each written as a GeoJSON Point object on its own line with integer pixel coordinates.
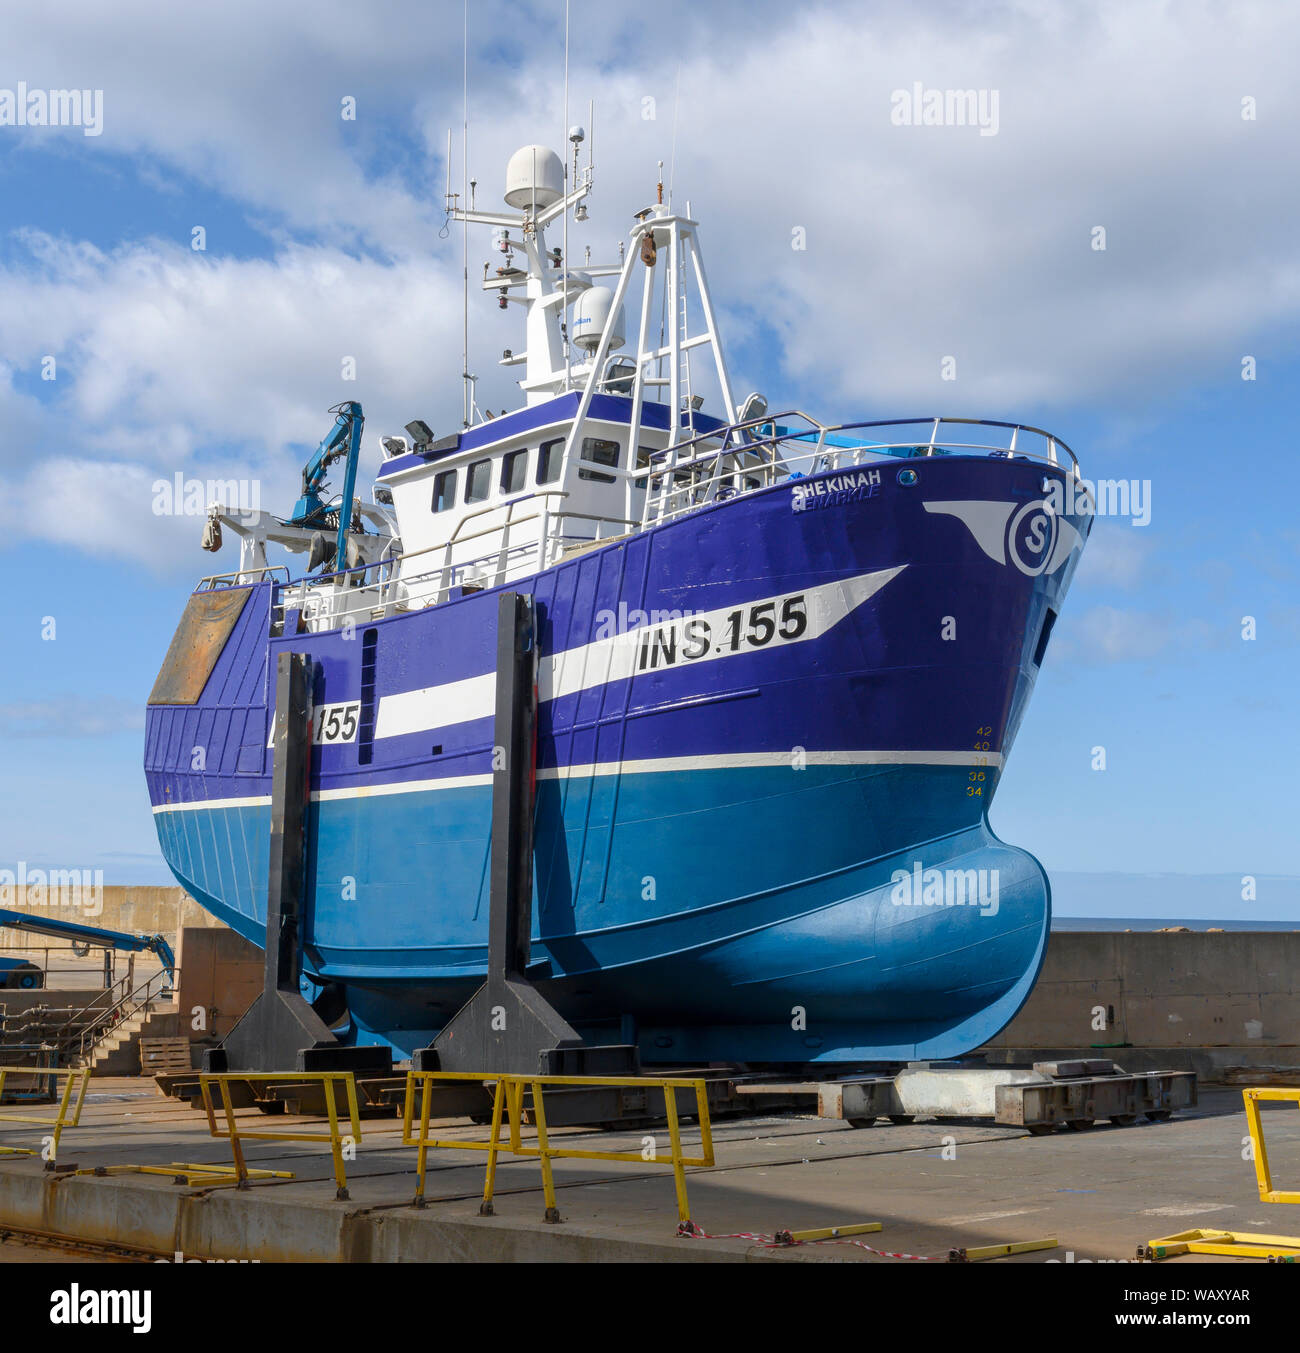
{"type": "Point", "coordinates": [781, 661]}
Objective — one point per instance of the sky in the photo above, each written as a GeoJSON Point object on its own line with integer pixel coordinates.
{"type": "Point", "coordinates": [1114, 254]}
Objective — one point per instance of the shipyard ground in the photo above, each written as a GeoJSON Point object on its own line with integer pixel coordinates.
{"type": "Point", "coordinates": [933, 1185]}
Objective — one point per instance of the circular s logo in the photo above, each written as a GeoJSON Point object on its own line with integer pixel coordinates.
{"type": "Point", "coordinates": [1031, 537]}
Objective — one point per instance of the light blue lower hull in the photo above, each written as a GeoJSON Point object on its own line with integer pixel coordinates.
{"type": "Point", "coordinates": [758, 913]}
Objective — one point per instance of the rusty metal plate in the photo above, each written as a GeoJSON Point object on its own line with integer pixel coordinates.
{"type": "Point", "coordinates": [197, 644]}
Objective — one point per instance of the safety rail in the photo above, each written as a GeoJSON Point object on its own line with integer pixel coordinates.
{"type": "Point", "coordinates": [700, 470]}
{"type": "Point", "coordinates": [248, 577]}
{"type": "Point", "coordinates": [1242, 1244]}
{"type": "Point", "coordinates": [70, 1077]}
{"type": "Point", "coordinates": [1263, 1174]}
{"type": "Point", "coordinates": [500, 565]}
{"type": "Point", "coordinates": [508, 1102]}
{"type": "Point", "coordinates": [236, 1135]}
{"type": "Point", "coordinates": [79, 1035]}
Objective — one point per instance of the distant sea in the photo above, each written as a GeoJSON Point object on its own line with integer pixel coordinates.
{"type": "Point", "coordinates": [1163, 923]}
{"type": "Point", "coordinates": [1116, 901]}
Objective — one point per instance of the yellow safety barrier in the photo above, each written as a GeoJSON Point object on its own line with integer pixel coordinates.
{"type": "Point", "coordinates": [1252, 1098]}
{"type": "Point", "coordinates": [976, 1254]}
{"type": "Point", "coordinates": [1242, 1244]}
{"type": "Point", "coordinates": [180, 1173]}
{"type": "Point", "coordinates": [71, 1076]}
{"type": "Point", "coordinates": [328, 1080]}
{"type": "Point", "coordinates": [508, 1102]}
{"type": "Point", "coordinates": [1233, 1244]}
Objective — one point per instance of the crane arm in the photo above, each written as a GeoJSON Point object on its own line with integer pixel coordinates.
{"type": "Point", "coordinates": [89, 934]}
{"type": "Point", "coordinates": [342, 440]}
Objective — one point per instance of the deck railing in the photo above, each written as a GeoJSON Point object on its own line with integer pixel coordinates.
{"type": "Point", "coordinates": [701, 471]}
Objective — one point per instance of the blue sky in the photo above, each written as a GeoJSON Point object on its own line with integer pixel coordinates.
{"type": "Point", "coordinates": [921, 242]}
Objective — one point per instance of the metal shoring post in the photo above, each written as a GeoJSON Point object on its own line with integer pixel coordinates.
{"type": "Point", "coordinates": [544, 1152]}
{"type": "Point", "coordinates": [499, 1096]}
{"type": "Point", "coordinates": [675, 1139]}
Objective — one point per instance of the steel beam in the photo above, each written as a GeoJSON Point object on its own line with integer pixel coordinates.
{"type": "Point", "coordinates": [280, 1031]}
{"type": "Point", "coordinates": [508, 1025]}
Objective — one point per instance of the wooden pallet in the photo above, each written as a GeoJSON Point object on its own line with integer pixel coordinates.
{"type": "Point", "coordinates": [163, 1056]}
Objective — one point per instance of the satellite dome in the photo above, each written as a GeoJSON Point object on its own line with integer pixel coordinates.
{"type": "Point", "coordinates": [593, 313]}
{"type": "Point", "coordinates": [535, 175]}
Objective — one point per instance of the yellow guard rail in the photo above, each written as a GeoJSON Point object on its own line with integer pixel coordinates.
{"type": "Point", "coordinates": [508, 1103]}
{"type": "Point", "coordinates": [236, 1134]}
{"type": "Point", "coordinates": [61, 1118]}
{"type": "Point", "coordinates": [1252, 1098]}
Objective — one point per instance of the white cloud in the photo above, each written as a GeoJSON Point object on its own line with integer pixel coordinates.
{"type": "Point", "coordinates": [70, 716]}
{"type": "Point", "coordinates": [1117, 554]}
{"type": "Point", "coordinates": [170, 360]}
{"type": "Point", "coordinates": [1109, 634]}
{"type": "Point", "coordinates": [922, 241]}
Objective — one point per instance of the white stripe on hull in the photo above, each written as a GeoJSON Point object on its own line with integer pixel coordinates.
{"type": "Point", "coordinates": [616, 659]}
{"type": "Point", "coordinates": [657, 765]}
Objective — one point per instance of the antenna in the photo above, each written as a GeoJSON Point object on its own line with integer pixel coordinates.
{"type": "Point", "coordinates": [466, 378]}
{"type": "Point", "coordinates": [567, 185]}
{"type": "Point", "coordinates": [672, 159]}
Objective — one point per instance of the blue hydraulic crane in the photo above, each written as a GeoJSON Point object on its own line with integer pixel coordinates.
{"type": "Point", "coordinates": [312, 510]}
{"type": "Point", "coordinates": [89, 934]}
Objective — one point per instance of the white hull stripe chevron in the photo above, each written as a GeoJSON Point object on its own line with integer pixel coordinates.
{"type": "Point", "coordinates": [686, 639]}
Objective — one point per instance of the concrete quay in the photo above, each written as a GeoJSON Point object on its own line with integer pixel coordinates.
{"type": "Point", "coordinates": [933, 1185]}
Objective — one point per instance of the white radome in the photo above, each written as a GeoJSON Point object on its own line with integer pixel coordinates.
{"type": "Point", "coordinates": [591, 315]}
{"type": "Point", "coordinates": [534, 176]}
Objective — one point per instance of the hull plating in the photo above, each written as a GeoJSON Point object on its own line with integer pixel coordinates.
{"type": "Point", "coordinates": [733, 826]}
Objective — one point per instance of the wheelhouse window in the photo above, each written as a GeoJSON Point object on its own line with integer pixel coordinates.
{"type": "Point", "coordinates": [514, 470]}
{"type": "Point", "coordinates": [478, 481]}
{"type": "Point", "coordinates": [600, 452]}
{"type": "Point", "coordinates": [444, 490]}
{"type": "Point", "coordinates": [549, 456]}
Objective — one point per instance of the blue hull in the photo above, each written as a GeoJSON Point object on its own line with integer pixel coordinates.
{"type": "Point", "coordinates": [746, 850]}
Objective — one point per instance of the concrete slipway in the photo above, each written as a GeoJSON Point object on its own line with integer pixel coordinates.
{"type": "Point", "coordinates": [1101, 1192]}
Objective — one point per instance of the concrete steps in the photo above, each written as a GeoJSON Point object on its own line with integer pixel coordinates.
{"type": "Point", "coordinates": [118, 1053]}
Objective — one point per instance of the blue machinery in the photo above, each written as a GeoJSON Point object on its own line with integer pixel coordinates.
{"type": "Point", "coordinates": [312, 510]}
{"type": "Point", "coordinates": [89, 934]}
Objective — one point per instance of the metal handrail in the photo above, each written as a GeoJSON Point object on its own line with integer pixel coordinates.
{"type": "Point", "coordinates": [120, 1001]}
{"type": "Point", "coordinates": [242, 577]}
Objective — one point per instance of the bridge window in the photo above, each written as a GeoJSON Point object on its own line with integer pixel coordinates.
{"type": "Point", "coordinates": [600, 452]}
{"type": "Point", "coordinates": [478, 481]}
{"type": "Point", "coordinates": [514, 469]}
{"type": "Point", "coordinates": [444, 490]}
{"type": "Point", "coordinates": [549, 456]}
